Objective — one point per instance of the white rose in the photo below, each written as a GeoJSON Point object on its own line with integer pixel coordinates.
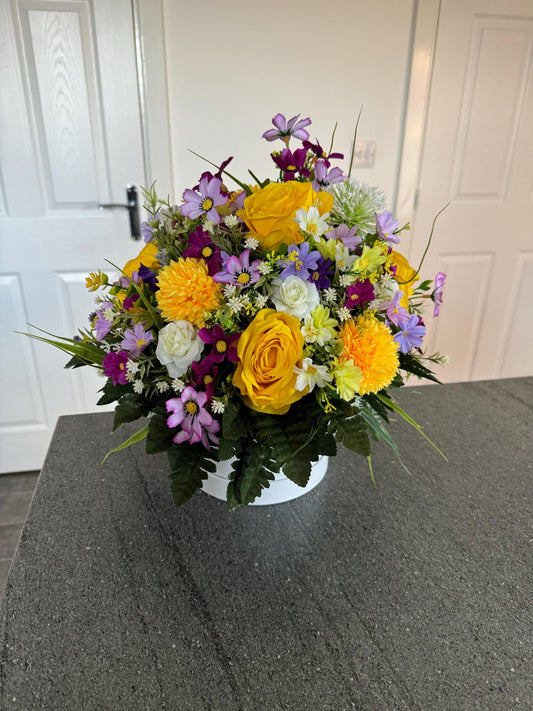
{"type": "Point", "coordinates": [294, 296]}
{"type": "Point", "coordinates": [178, 346]}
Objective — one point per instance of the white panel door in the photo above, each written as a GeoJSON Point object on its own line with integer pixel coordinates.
{"type": "Point", "coordinates": [70, 138]}
{"type": "Point", "coordinates": [478, 153]}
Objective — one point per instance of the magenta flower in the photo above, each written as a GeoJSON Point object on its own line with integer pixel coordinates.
{"type": "Point", "coordinates": [238, 270]}
{"type": "Point", "coordinates": [285, 129]}
{"type": "Point", "coordinates": [323, 177]}
{"type": "Point", "coordinates": [437, 292]}
{"type": "Point", "coordinates": [205, 201]}
{"type": "Point", "coordinates": [202, 247]}
{"type": "Point", "coordinates": [223, 345]}
{"type": "Point", "coordinates": [114, 365]}
{"type": "Point", "coordinates": [346, 235]}
{"type": "Point", "coordinates": [411, 335]}
{"type": "Point", "coordinates": [299, 261]}
{"type": "Point", "coordinates": [197, 424]}
{"type": "Point", "coordinates": [136, 339]}
{"type": "Point", "coordinates": [319, 152]}
{"type": "Point", "coordinates": [291, 163]}
{"type": "Point", "coordinates": [358, 294]}
{"type": "Point", "coordinates": [386, 226]}
{"type": "Point", "coordinates": [204, 374]}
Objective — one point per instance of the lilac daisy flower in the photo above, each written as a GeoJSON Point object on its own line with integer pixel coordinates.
{"type": "Point", "coordinates": [197, 424]}
{"type": "Point", "coordinates": [411, 335]}
{"type": "Point", "coordinates": [437, 292]}
{"type": "Point", "coordinates": [136, 339]}
{"type": "Point", "coordinates": [323, 177]}
{"type": "Point", "coordinates": [386, 226]}
{"type": "Point", "coordinates": [299, 261]}
{"type": "Point", "coordinates": [319, 152]}
{"type": "Point", "coordinates": [102, 325]}
{"type": "Point", "coordinates": [238, 270]}
{"type": "Point", "coordinates": [346, 235]}
{"type": "Point", "coordinates": [205, 201]}
{"type": "Point", "coordinates": [114, 365]}
{"type": "Point", "coordinates": [285, 129]}
{"type": "Point", "coordinates": [396, 314]}
{"type": "Point", "coordinates": [148, 227]}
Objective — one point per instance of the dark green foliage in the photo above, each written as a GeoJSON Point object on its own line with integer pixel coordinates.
{"type": "Point", "coordinates": [130, 407]}
{"type": "Point", "coordinates": [353, 433]}
{"type": "Point", "coordinates": [251, 474]}
{"type": "Point", "coordinates": [112, 392]}
{"type": "Point", "coordinates": [75, 362]}
{"type": "Point", "coordinates": [160, 436]}
{"type": "Point", "coordinates": [189, 469]}
{"type": "Point", "coordinates": [411, 365]}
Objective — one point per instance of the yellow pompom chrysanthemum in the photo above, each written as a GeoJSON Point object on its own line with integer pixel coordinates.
{"type": "Point", "coordinates": [186, 291]}
{"type": "Point", "coordinates": [369, 344]}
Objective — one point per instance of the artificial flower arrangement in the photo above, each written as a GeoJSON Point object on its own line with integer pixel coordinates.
{"type": "Point", "coordinates": [263, 324]}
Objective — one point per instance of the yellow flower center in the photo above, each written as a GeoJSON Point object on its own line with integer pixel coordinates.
{"type": "Point", "coordinates": [312, 227]}
{"type": "Point", "coordinates": [315, 276]}
{"type": "Point", "coordinates": [191, 407]}
{"type": "Point", "coordinates": [207, 252]}
{"type": "Point", "coordinates": [208, 380]}
{"type": "Point", "coordinates": [141, 342]}
{"type": "Point", "coordinates": [207, 204]}
{"type": "Point", "coordinates": [221, 346]}
{"type": "Point", "coordinates": [243, 278]}
{"type": "Point", "coordinates": [363, 263]}
{"type": "Point", "coordinates": [121, 366]}
{"type": "Point", "coordinates": [291, 168]}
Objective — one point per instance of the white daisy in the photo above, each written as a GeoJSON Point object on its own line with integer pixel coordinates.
{"type": "Point", "coordinates": [312, 222]}
{"type": "Point", "coordinates": [311, 375]}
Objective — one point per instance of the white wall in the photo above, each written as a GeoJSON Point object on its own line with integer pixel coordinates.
{"type": "Point", "coordinates": [232, 65]}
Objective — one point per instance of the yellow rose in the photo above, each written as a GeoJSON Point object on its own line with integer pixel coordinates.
{"type": "Point", "coordinates": [405, 276]}
{"type": "Point", "coordinates": [269, 213]}
{"type": "Point", "coordinates": [146, 256]}
{"type": "Point", "coordinates": [268, 351]}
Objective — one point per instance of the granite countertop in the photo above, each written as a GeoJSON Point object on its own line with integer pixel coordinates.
{"type": "Point", "coordinates": [411, 594]}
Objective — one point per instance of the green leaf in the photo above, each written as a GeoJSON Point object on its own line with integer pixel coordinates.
{"type": "Point", "coordinates": [88, 353]}
{"type": "Point", "coordinates": [159, 433]}
{"type": "Point", "coordinates": [137, 437]}
{"type": "Point", "coordinates": [411, 365]}
{"type": "Point", "coordinates": [189, 468]}
{"type": "Point", "coordinates": [227, 448]}
{"type": "Point", "coordinates": [130, 407]}
{"type": "Point", "coordinates": [112, 392]}
{"type": "Point", "coordinates": [378, 431]}
{"type": "Point", "coordinates": [354, 434]}
{"type": "Point", "coordinates": [251, 474]}
{"type": "Point", "coordinates": [233, 424]}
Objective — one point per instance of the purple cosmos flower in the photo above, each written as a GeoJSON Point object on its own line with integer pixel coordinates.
{"type": "Point", "coordinates": [437, 292]}
{"type": "Point", "coordinates": [299, 261]}
{"type": "Point", "coordinates": [188, 411]}
{"type": "Point", "coordinates": [411, 335]}
{"type": "Point", "coordinates": [148, 277]}
{"type": "Point", "coordinates": [396, 314]}
{"type": "Point", "coordinates": [358, 294]}
{"type": "Point", "coordinates": [148, 227]}
{"type": "Point", "coordinates": [102, 326]}
{"type": "Point", "coordinates": [136, 339]}
{"type": "Point", "coordinates": [201, 247]}
{"type": "Point", "coordinates": [319, 152]}
{"type": "Point", "coordinates": [224, 345]}
{"type": "Point", "coordinates": [285, 129]}
{"type": "Point", "coordinates": [346, 235]}
{"type": "Point", "coordinates": [322, 275]}
{"type": "Point", "coordinates": [323, 177]}
{"type": "Point", "coordinates": [238, 270]}
{"type": "Point", "coordinates": [204, 201]}
{"type": "Point", "coordinates": [386, 225]}
{"type": "Point", "coordinates": [114, 365]}
{"type": "Point", "coordinates": [291, 163]}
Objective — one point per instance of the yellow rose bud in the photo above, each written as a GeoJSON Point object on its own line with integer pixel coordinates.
{"type": "Point", "coordinates": [268, 351]}
{"type": "Point", "coordinates": [269, 213]}
{"type": "Point", "coordinates": [405, 276]}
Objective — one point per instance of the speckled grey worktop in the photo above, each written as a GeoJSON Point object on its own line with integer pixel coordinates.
{"type": "Point", "coordinates": [413, 594]}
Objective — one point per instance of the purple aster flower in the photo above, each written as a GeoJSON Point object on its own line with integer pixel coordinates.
{"type": "Point", "coordinates": [319, 152]}
{"type": "Point", "coordinates": [437, 292]}
{"type": "Point", "coordinates": [114, 365]}
{"type": "Point", "coordinates": [202, 247]}
{"type": "Point", "coordinates": [386, 226]}
{"type": "Point", "coordinates": [396, 314]}
{"type": "Point", "coordinates": [238, 270]}
{"type": "Point", "coordinates": [299, 261]}
{"type": "Point", "coordinates": [197, 424]}
{"type": "Point", "coordinates": [136, 339]}
{"type": "Point", "coordinates": [285, 129]}
{"type": "Point", "coordinates": [102, 325]}
{"type": "Point", "coordinates": [346, 235]}
{"type": "Point", "coordinates": [224, 345]}
{"type": "Point", "coordinates": [323, 177]}
{"type": "Point", "coordinates": [148, 277]}
{"type": "Point", "coordinates": [291, 163]}
{"type": "Point", "coordinates": [411, 335]}
{"type": "Point", "coordinates": [358, 294]}
{"type": "Point", "coordinates": [322, 275]}
{"type": "Point", "coordinates": [148, 227]}
{"type": "Point", "coordinates": [205, 201]}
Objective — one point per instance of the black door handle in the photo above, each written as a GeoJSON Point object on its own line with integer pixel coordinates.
{"type": "Point", "coordinates": [132, 206]}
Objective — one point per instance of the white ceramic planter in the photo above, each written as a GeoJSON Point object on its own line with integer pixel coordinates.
{"type": "Point", "coordinates": [279, 491]}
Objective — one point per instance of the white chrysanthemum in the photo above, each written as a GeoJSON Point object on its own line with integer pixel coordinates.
{"type": "Point", "coordinates": [261, 301]}
{"type": "Point", "coordinates": [231, 221]}
{"type": "Point", "coordinates": [343, 314]}
{"type": "Point", "coordinates": [130, 377]}
{"type": "Point", "coordinates": [229, 290]}
{"type": "Point", "coordinates": [138, 386]}
{"type": "Point", "coordinates": [251, 243]}
{"type": "Point", "coordinates": [330, 294]}
{"type": "Point", "coordinates": [354, 204]}
{"type": "Point", "coordinates": [178, 385]}
{"type": "Point", "coordinates": [208, 226]}
{"type": "Point", "coordinates": [312, 222]}
{"type": "Point", "coordinates": [311, 375]}
{"type": "Point", "coordinates": [132, 367]}
{"type": "Point", "coordinates": [264, 268]}
{"type": "Point", "coordinates": [347, 279]}
{"type": "Point", "coordinates": [218, 407]}
{"type": "Point", "coordinates": [237, 303]}
{"type": "Point", "coordinates": [109, 314]}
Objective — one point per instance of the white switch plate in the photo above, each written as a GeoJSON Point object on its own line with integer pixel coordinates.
{"type": "Point", "coordinates": [365, 154]}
